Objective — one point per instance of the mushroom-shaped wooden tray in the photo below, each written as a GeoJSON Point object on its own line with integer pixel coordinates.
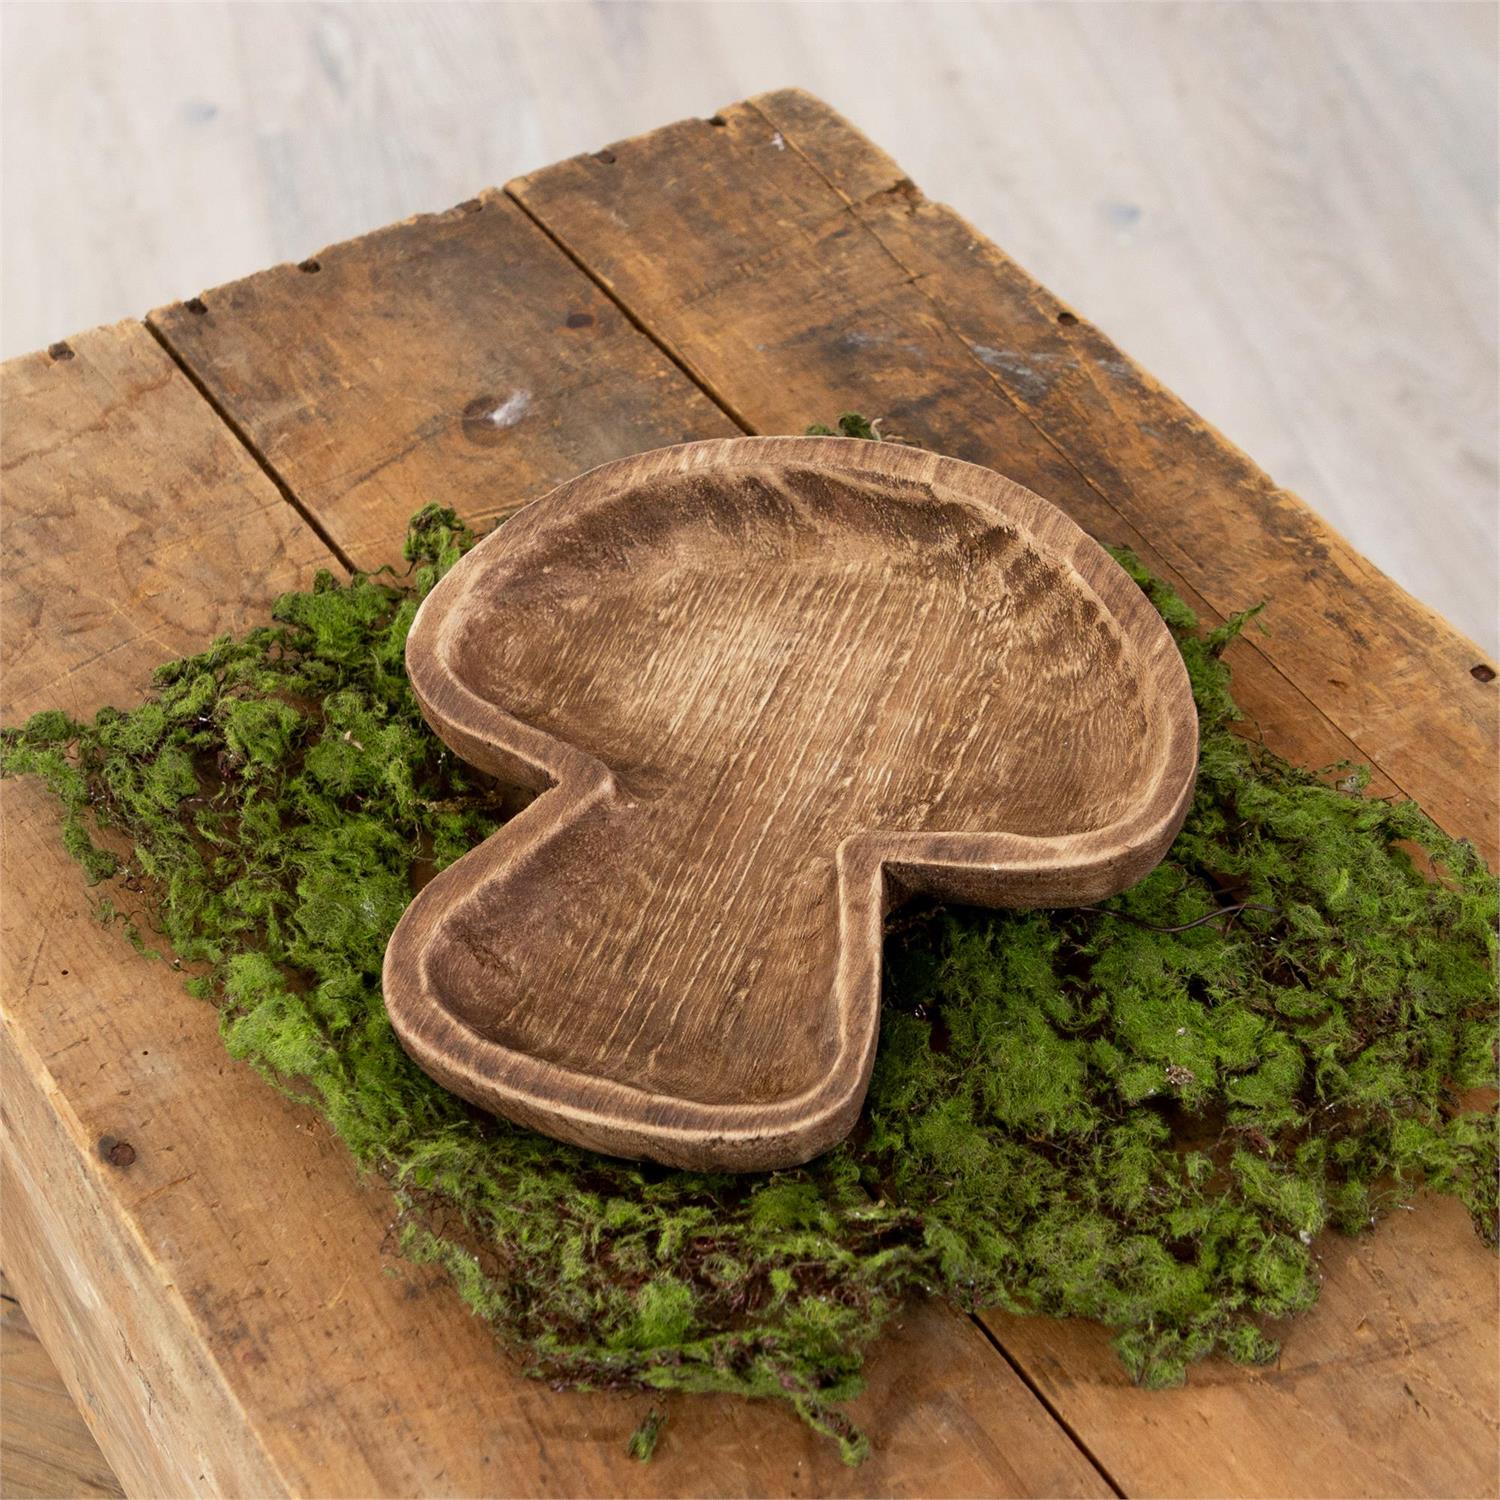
{"type": "Point", "coordinates": [766, 687]}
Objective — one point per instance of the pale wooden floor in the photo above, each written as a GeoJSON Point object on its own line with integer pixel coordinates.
{"type": "Point", "coordinates": [1287, 212]}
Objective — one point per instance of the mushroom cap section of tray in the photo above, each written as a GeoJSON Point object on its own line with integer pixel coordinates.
{"type": "Point", "coordinates": [766, 688]}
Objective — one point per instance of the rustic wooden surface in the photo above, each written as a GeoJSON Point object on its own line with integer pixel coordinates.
{"type": "Point", "coordinates": [771, 686]}
{"type": "Point", "coordinates": [218, 1306]}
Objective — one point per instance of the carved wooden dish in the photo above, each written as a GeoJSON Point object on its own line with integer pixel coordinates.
{"type": "Point", "coordinates": [767, 687]}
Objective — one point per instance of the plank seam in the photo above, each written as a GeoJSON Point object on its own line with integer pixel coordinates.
{"type": "Point", "coordinates": [1021, 1374]}
{"type": "Point", "coordinates": [245, 441]}
{"type": "Point", "coordinates": [628, 313]}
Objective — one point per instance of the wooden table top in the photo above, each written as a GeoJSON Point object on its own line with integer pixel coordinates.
{"type": "Point", "coordinates": [227, 1308]}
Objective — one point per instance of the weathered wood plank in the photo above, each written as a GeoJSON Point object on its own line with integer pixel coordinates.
{"type": "Point", "coordinates": [789, 292]}
{"type": "Point", "coordinates": [781, 306]}
{"type": "Point", "coordinates": [46, 1450]}
{"type": "Point", "coordinates": [456, 358]}
{"type": "Point", "coordinates": [759, 262]}
{"type": "Point", "coordinates": [135, 527]}
{"type": "Point", "coordinates": [109, 560]}
{"type": "Point", "coordinates": [225, 1303]}
{"type": "Point", "coordinates": [109, 1313]}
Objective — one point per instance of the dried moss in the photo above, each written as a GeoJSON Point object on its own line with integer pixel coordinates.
{"type": "Point", "coordinates": [1141, 1114]}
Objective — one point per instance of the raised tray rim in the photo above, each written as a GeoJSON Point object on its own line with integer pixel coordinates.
{"type": "Point", "coordinates": [615, 1117]}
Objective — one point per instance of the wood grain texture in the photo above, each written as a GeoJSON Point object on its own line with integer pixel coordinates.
{"type": "Point", "coordinates": [457, 358]}
{"type": "Point", "coordinates": [771, 686]}
{"type": "Point", "coordinates": [808, 273]}
{"type": "Point", "coordinates": [135, 527]}
{"type": "Point", "coordinates": [228, 1309]}
{"type": "Point", "coordinates": [46, 1450]}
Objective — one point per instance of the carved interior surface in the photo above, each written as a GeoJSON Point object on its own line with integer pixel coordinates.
{"type": "Point", "coordinates": [767, 661]}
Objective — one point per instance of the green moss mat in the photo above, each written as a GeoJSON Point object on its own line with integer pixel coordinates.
{"type": "Point", "coordinates": [1142, 1114]}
